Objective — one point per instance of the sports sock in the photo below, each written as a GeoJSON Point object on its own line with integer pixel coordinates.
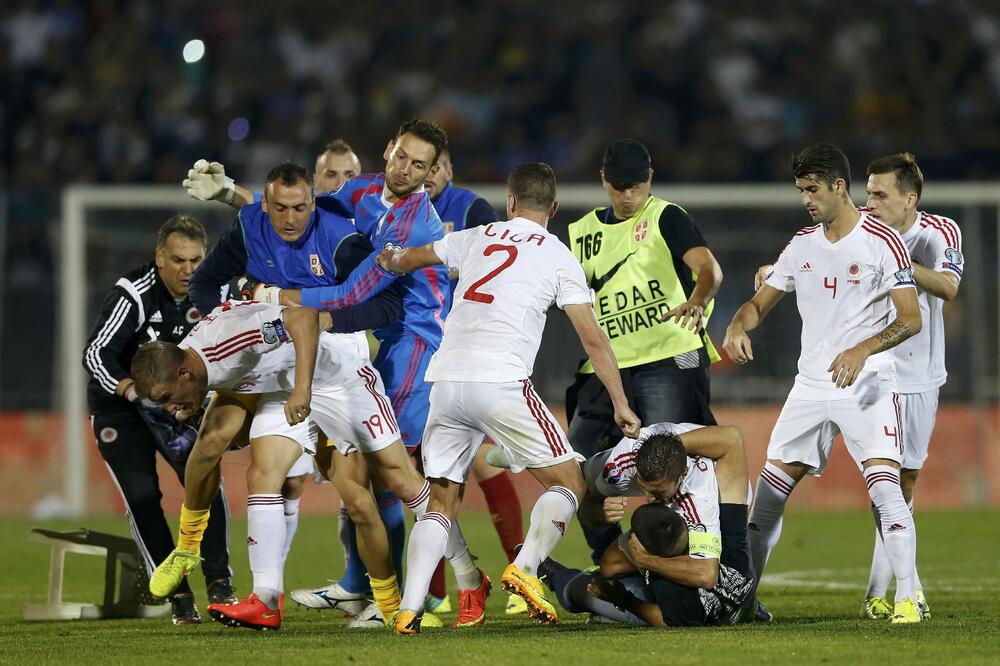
{"type": "Point", "coordinates": [355, 578]}
{"type": "Point", "coordinates": [773, 489]}
{"type": "Point", "coordinates": [467, 574]}
{"type": "Point", "coordinates": [549, 517]}
{"type": "Point", "coordinates": [391, 510]}
{"type": "Point", "coordinates": [386, 593]}
{"type": "Point", "coordinates": [192, 528]}
{"type": "Point", "coordinates": [505, 509]}
{"type": "Point", "coordinates": [439, 586]}
{"type": "Point", "coordinates": [291, 507]}
{"type": "Point", "coordinates": [428, 541]}
{"type": "Point", "coordinates": [899, 534]}
{"type": "Point", "coordinates": [265, 541]}
{"type": "Point", "coordinates": [881, 573]}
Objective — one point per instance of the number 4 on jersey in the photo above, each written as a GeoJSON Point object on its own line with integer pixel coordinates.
{"type": "Point", "coordinates": [472, 293]}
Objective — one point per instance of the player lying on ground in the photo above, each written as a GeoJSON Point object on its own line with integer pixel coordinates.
{"type": "Point", "coordinates": [510, 273]}
{"type": "Point", "coordinates": [348, 403]}
{"type": "Point", "coordinates": [668, 571]}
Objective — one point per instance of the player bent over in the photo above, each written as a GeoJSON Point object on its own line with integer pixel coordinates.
{"type": "Point", "coordinates": [850, 271]}
{"type": "Point", "coordinates": [510, 274]}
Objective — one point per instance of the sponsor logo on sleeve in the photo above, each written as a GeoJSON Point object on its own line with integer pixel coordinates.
{"type": "Point", "coordinates": [954, 256]}
{"type": "Point", "coordinates": [904, 276]}
{"type": "Point", "coordinates": [274, 331]}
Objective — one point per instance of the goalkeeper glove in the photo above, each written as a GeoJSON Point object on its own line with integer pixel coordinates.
{"type": "Point", "coordinates": [207, 181]}
{"type": "Point", "coordinates": [252, 289]}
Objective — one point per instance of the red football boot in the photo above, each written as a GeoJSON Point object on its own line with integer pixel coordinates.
{"type": "Point", "coordinates": [472, 605]}
{"type": "Point", "coordinates": [251, 613]}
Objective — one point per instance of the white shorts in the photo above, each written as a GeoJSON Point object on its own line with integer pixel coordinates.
{"type": "Point", "coordinates": [356, 415]}
{"type": "Point", "coordinates": [871, 425]}
{"type": "Point", "coordinates": [304, 465]}
{"type": "Point", "coordinates": [510, 413]}
{"type": "Point", "coordinates": [919, 416]}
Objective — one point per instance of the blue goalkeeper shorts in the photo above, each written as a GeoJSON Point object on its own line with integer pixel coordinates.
{"type": "Point", "coordinates": [402, 363]}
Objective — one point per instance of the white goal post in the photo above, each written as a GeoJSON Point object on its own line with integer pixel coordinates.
{"type": "Point", "coordinates": [77, 200]}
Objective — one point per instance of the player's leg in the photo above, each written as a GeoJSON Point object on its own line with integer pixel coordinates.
{"type": "Point", "coordinates": [800, 442]}
{"type": "Point", "coordinates": [919, 413]}
{"type": "Point", "coordinates": [129, 452]}
{"type": "Point", "coordinates": [226, 422]}
{"type": "Point", "coordinates": [724, 445]}
{"type": "Point", "coordinates": [674, 390]}
{"type": "Point", "coordinates": [874, 435]}
{"type": "Point", "coordinates": [291, 495]}
{"type": "Point", "coordinates": [505, 510]}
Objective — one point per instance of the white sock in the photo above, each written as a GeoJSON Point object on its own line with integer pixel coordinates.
{"type": "Point", "coordinates": [428, 541]}
{"type": "Point", "coordinates": [899, 534]}
{"type": "Point", "coordinates": [766, 517]}
{"type": "Point", "coordinates": [881, 573]}
{"type": "Point", "coordinates": [549, 517]}
{"type": "Point", "coordinates": [343, 528]}
{"type": "Point", "coordinates": [467, 575]}
{"type": "Point", "coordinates": [265, 540]}
{"type": "Point", "coordinates": [291, 525]}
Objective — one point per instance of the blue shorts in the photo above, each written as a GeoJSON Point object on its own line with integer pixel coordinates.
{"type": "Point", "coordinates": [402, 363]}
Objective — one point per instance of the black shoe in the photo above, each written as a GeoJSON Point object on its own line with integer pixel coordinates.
{"type": "Point", "coordinates": [183, 609]}
{"type": "Point", "coordinates": [221, 591]}
{"type": "Point", "coordinates": [546, 569]}
{"type": "Point", "coordinates": [762, 614]}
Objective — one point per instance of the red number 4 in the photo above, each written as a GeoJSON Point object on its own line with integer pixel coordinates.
{"type": "Point", "coordinates": [471, 294]}
{"type": "Point", "coordinates": [831, 285]}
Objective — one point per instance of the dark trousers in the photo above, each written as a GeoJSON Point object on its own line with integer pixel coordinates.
{"type": "Point", "coordinates": [657, 392]}
{"type": "Point", "coordinates": [129, 451]}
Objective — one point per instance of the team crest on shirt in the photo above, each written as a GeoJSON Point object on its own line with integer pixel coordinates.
{"type": "Point", "coordinates": [448, 227]}
{"type": "Point", "coordinates": [192, 315]}
{"type": "Point", "coordinates": [640, 230]}
{"type": "Point", "coordinates": [315, 265]}
{"type": "Point", "coordinates": [854, 273]}
{"type": "Point", "coordinates": [108, 435]}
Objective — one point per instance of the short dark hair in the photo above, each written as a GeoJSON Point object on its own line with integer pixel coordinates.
{"type": "Point", "coordinates": [288, 173]}
{"type": "Point", "coordinates": [661, 457]}
{"type": "Point", "coordinates": [426, 130]}
{"type": "Point", "coordinates": [185, 225]}
{"type": "Point", "coordinates": [824, 161]}
{"type": "Point", "coordinates": [533, 185]}
{"type": "Point", "coordinates": [155, 363]}
{"type": "Point", "coordinates": [909, 177]}
{"type": "Point", "coordinates": [661, 530]}
{"type": "Point", "coordinates": [338, 147]}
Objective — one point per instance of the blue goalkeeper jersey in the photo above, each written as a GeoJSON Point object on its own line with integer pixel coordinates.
{"type": "Point", "coordinates": [409, 222]}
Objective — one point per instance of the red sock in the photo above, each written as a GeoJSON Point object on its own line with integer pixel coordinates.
{"type": "Point", "coordinates": [505, 509]}
{"type": "Point", "coordinates": [438, 587]}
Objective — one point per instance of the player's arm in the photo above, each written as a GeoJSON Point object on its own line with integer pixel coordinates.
{"type": "Point", "coordinates": [747, 318]}
{"type": "Point", "coordinates": [595, 509]}
{"type": "Point", "coordinates": [700, 572]}
{"type": "Point", "coordinates": [724, 445]}
{"type": "Point", "coordinates": [616, 594]}
{"type": "Point", "coordinates": [848, 364]}
{"type": "Point", "coordinates": [409, 259]}
{"type": "Point", "coordinates": [688, 244]}
{"type": "Point", "coordinates": [302, 325]}
{"type": "Point", "coordinates": [942, 284]}
{"type": "Point", "coordinates": [226, 260]}
{"type": "Point", "coordinates": [227, 420]}
{"type": "Point", "coordinates": [614, 562]}
{"type": "Point", "coordinates": [117, 323]}
{"type": "Point", "coordinates": [598, 348]}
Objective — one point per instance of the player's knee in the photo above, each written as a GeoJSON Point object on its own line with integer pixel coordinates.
{"type": "Point", "coordinates": [360, 505]}
{"type": "Point", "coordinates": [263, 480]}
{"type": "Point", "coordinates": [908, 481]}
{"type": "Point", "coordinates": [293, 487]}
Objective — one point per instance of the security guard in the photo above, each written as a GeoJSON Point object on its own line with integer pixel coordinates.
{"type": "Point", "coordinates": [654, 279]}
{"type": "Point", "coordinates": [151, 303]}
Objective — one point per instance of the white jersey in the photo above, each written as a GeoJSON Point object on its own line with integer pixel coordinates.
{"type": "Point", "coordinates": [510, 274]}
{"type": "Point", "coordinates": [842, 293]}
{"type": "Point", "coordinates": [246, 349]}
{"type": "Point", "coordinates": [934, 241]}
{"type": "Point", "coordinates": [612, 473]}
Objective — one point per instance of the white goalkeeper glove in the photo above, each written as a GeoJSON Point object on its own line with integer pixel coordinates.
{"type": "Point", "coordinates": [253, 290]}
{"type": "Point", "coordinates": [207, 181]}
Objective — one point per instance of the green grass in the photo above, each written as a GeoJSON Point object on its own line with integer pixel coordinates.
{"type": "Point", "coordinates": [817, 577]}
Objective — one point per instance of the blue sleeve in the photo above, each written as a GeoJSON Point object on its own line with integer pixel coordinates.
{"type": "Point", "coordinates": [364, 282]}
{"type": "Point", "coordinates": [381, 309]}
{"type": "Point", "coordinates": [225, 261]}
{"type": "Point", "coordinates": [480, 213]}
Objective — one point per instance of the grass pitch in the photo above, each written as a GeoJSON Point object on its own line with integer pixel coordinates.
{"type": "Point", "coordinates": [814, 586]}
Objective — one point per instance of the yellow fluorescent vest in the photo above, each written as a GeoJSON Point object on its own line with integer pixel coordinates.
{"type": "Point", "coordinates": [631, 270]}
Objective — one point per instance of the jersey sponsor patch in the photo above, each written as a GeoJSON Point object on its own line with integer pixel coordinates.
{"type": "Point", "coordinates": [108, 435]}
{"type": "Point", "coordinates": [274, 331]}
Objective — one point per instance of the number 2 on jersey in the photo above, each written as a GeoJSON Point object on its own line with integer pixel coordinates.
{"type": "Point", "coordinates": [471, 294]}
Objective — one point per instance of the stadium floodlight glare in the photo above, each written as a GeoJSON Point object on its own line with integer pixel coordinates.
{"type": "Point", "coordinates": [194, 51]}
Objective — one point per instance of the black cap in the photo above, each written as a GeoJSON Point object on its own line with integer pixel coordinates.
{"type": "Point", "coordinates": [626, 161]}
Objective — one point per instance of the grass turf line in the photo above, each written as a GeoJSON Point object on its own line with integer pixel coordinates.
{"type": "Point", "coordinates": [815, 586]}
